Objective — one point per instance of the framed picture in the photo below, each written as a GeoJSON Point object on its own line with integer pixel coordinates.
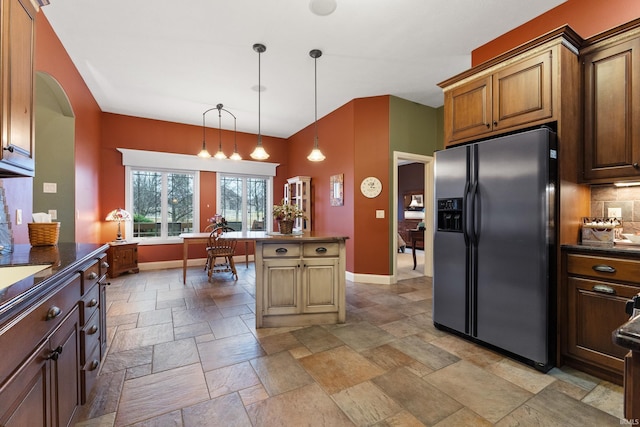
{"type": "Point", "coordinates": [336, 183]}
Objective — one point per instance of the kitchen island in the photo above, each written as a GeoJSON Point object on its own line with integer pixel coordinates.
{"type": "Point", "coordinates": [300, 278]}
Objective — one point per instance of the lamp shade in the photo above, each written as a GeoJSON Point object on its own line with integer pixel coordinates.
{"type": "Point", "coordinates": [118, 215]}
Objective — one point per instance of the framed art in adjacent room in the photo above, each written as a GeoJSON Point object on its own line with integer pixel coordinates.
{"type": "Point", "coordinates": [336, 184]}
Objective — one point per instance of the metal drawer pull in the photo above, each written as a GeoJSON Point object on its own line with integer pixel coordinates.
{"type": "Point", "coordinates": [92, 303]}
{"type": "Point", "coordinates": [93, 365]}
{"type": "Point", "coordinates": [92, 275]}
{"type": "Point", "coordinates": [603, 268]}
{"type": "Point", "coordinates": [604, 289]}
{"type": "Point", "coordinates": [53, 313]}
{"type": "Point", "coordinates": [92, 330]}
{"type": "Point", "coordinates": [55, 354]}
{"type": "Point", "coordinates": [104, 264]}
{"type": "Point", "coordinates": [281, 251]}
{"type": "Point", "coordinates": [321, 250]}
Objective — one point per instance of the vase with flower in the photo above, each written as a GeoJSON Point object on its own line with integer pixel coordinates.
{"type": "Point", "coordinates": [286, 214]}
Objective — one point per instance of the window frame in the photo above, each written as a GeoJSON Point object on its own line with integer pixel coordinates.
{"type": "Point", "coordinates": [164, 227]}
{"type": "Point", "coordinates": [269, 196]}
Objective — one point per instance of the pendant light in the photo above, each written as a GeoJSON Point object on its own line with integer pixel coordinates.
{"type": "Point", "coordinates": [219, 154]}
{"type": "Point", "coordinates": [316, 155]}
{"type": "Point", "coordinates": [204, 153]}
{"type": "Point", "coordinates": [259, 153]}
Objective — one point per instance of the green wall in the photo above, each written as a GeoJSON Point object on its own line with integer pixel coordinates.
{"type": "Point", "coordinates": [414, 128]}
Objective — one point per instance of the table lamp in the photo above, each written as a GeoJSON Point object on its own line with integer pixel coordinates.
{"type": "Point", "coordinates": [119, 215]}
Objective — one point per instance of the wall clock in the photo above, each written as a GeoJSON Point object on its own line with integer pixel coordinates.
{"type": "Point", "coordinates": [371, 187]}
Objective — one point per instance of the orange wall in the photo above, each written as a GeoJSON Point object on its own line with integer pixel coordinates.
{"type": "Point", "coordinates": [137, 133]}
{"type": "Point", "coordinates": [52, 58]}
{"type": "Point", "coordinates": [586, 17]}
{"type": "Point", "coordinates": [336, 141]}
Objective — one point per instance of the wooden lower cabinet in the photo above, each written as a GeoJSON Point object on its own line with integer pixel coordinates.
{"type": "Point", "coordinates": [300, 283]}
{"type": "Point", "coordinates": [596, 289]}
{"type": "Point", "coordinates": [44, 390]}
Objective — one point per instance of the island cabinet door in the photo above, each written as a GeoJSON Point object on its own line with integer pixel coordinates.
{"type": "Point", "coordinates": [281, 278]}
{"type": "Point", "coordinates": [320, 285]}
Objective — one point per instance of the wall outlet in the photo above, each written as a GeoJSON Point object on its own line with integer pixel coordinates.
{"type": "Point", "coordinates": [53, 213]}
{"type": "Point", "coordinates": [49, 187]}
{"type": "Point", "coordinates": [614, 212]}
{"type": "Point", "coordinates": [379, 213]}
{"type": "Point", "coordinates": [18, 216]}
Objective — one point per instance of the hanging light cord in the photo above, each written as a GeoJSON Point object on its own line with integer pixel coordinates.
{"type": "Point", "coordinates": [315, 95]}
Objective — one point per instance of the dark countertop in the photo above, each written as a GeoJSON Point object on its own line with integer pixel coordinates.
{"type": "Point", "coordinates": [628, 335]}
{"type": "Point", "coordinates": [632, 251]}
{"type": "Point", "coordinates": [65, 260]}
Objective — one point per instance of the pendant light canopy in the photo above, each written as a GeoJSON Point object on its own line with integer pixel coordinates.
{"type": "Point", "coordinates": [259, 153]}
{"type": "Point", "coordinates": [316, 155]}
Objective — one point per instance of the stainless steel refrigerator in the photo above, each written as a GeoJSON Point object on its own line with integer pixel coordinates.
{"type": "Point", "coordinates": [494, 244]}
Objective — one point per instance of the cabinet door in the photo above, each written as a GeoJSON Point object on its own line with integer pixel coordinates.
{"type": "Point", "coordinates": [612, 112]}
{"type": "Point", "coordinates": [25, 398]}
{"type": "Point", "coordinates": [65, 369]}
{"type": "Point", "coordinates": [17, 77]}
{"type": "Point", "coordinates": [467, 110]}
{"type": "Point", "coordinates": [320, 285]}
{"type": "Point", "coordinates": [595, 310]}
{"type": "Point", "coordinates": [282, 286]}
{"type": "Point", "coordinates": [522, 93]}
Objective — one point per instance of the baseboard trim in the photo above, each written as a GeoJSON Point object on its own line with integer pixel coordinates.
{"type": "Point", "coordinates": [192, 262]}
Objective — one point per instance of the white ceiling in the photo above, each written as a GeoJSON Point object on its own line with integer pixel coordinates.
{"type": "Point", "coordinates": [172, 60]}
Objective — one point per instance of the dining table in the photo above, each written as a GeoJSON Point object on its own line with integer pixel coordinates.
{"type": "Point", "coordinates": [246, 237]}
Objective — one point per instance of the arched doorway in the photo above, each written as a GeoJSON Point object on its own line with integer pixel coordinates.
{"type": "Point", "coordinates": [54, 181]}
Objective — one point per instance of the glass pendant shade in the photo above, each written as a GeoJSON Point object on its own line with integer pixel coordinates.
{"type": "Point", "coordinates": [204, 153]}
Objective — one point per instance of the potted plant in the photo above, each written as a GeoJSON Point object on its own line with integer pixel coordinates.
{"type": "Point", "coordinates": [286, 214]}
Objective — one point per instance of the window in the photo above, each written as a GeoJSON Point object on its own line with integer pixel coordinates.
{"type": "Point", "coordinates": [162, 203]}
{"type": "Point", "coordinates": [242, 201]}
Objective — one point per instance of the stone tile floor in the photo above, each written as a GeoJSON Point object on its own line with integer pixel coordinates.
{"type": "Point", "coordinates": [189, 355]}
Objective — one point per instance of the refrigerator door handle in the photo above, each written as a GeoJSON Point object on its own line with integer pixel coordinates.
{"type": "Point", "coordinates": [465, 216]}
{"type": "Point", "coordinates": [472, 214]}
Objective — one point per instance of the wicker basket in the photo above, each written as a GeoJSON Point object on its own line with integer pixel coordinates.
{"type": "Point", "coordinates": [44, 233]}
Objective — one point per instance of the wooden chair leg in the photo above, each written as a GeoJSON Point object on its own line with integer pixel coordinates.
{"type": "Point", "coordinates": [232, 264]}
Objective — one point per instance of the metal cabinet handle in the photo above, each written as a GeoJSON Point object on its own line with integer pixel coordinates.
{"type": "Point", "coordinates": [93, 365]}
{"type": "Point", "coordinates": [488, 125]}
{"type": "Point", "coordinates": [495, 123]}
{"type": "Point", "coordinates": [53, 313]}
{"type": "Point", "coordinates": [281, 251]}
{"type": "Point", "coordinates": [604, 289]}
{"type": "Point", "coordinates": [104, 264]}
{"type": "Point", "coordinates": [92, 275]}
{"type": "Point", "coordinates": [55, 353]}
{"type": "Point", "coordinates": [9, 148]}
{"type": "Point", "coordinates": [92, 303]}
{"type": "Point", "coordinates": [92, 330]}
{"type": "Point", "coordinates": [603, 268]}
{"type": "Point", "coordinates": [321, 250]}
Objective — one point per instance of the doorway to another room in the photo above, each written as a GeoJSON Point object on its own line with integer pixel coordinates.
{"type": "Point", "coordinates": [412, 209]}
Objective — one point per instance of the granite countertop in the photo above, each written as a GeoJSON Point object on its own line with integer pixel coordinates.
{"type": "Point", "coordinates": [63, 259]}
{"type": "Point", "coordinates": [628, 335]}
{"type": "Point", "coordinates": [616, 249]}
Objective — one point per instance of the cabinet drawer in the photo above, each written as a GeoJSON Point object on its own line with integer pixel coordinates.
{"type": "Point", "coordinates": [89, 304]}
{"type": "Point", "coordinates": [623, 270]}
{"type": "Point", "coordinates": [89, 337]}
{"type": "Point", "coordinates": [280, 250]}
{"type": "Point", "coordinates": [102, 263]}
{"type": "Point", "coordinates": [90, 276]}
{"type": "Point", "coordinates": [89, 374]}
{"type": "Point", "coordinates": [19, 336]}
{"type": "Point", "coordinates": [313, 249]}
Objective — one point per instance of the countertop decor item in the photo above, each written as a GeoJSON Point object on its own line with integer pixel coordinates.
{"type": "Point", "coordinates": [285, 213]}
{"type": "Point", "coordinates": [118, 215]}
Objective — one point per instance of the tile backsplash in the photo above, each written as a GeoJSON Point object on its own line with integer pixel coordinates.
{"type": "Point", "coordinates": [627, 199]}
{"type": "Point", "coordinates": [6, 238]}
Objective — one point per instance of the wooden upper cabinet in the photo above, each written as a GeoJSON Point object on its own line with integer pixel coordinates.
{"type": "Point", "coordinates": [612, 109]}
{"type": "Point", "coordinates": [516, 90]}
{"type": "Point", "coordinates": [17, 28]}
{"type": "Point", "coordinates": [522, 92]}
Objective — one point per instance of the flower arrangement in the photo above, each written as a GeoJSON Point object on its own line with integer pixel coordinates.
{"type": "Point", "coordinates": [218, 220]}
{"type": "Point", "coordinates": [287, 212]}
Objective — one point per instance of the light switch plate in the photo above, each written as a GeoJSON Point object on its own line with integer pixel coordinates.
{"type": "Point", "coordinates": [49, 187]}
{"type": "Point", "coordinates": [379, 213]}
{"type": "Point", "coordinates": [53, 213]}
{"type": "Point", "coordinates": [18, 216]}
{"type": "Point", "coordinates": [614, 212]}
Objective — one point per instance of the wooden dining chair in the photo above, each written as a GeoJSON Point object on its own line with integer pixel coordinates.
{"type": "Point", "coordinates": [219, 247]}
